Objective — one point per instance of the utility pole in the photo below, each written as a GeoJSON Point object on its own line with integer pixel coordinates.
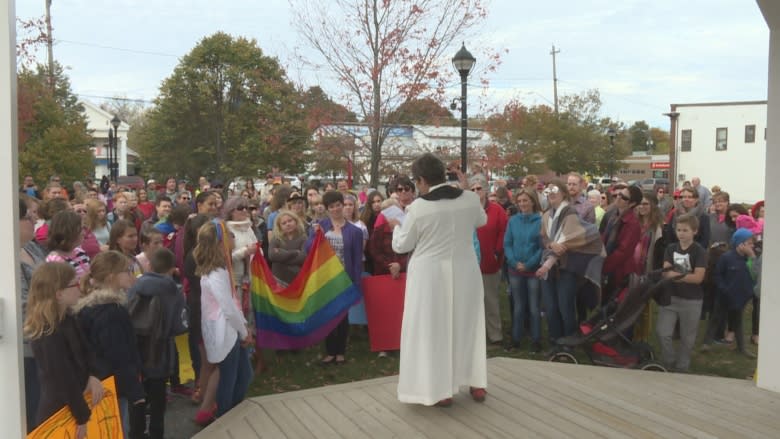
{"type": "Point", "coordinates": [555, 78]}
{"type": "Point", "coordinates": [49, 43]}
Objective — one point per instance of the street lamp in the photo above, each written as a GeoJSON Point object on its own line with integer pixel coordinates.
{"type": "Point", "coordinates": [463, 61]}
{"type": "Point", "coordinates": [611, 133]}
{"type": "Point", "coordinates": [114, 165]}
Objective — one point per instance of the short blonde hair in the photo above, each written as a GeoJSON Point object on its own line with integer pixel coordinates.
{"type": "Point", "coordinates": [277, 231]}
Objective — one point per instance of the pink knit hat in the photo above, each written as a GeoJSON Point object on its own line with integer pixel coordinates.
{"type": "Point", "coordinates": [748, 222]}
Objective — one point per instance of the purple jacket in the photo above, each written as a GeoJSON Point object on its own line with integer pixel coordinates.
{"type": "Point", "coordinates": [353, 248]}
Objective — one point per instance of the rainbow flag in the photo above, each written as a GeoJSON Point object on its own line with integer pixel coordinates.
{"type": "Point", "coordinates": [303, 313]}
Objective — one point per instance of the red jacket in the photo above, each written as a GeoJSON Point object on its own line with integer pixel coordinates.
{"type": "Point", "coordinates": [620, 262]}
{"type": "Point", "coordinates": [491, 239]}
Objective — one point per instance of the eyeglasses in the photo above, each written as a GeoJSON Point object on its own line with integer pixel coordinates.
{"type": "Point", "coordinates": [624, 197]}
{"type": "Point", "coordinates": [185, 198]}
{"type": "Point", "coordinates": [241, 208]}
{"type": "Point", "coordinates": [551, 190]}
{"type": "Point", "coordinates": [252, 208]}
{"type": "Point", "coordinates": [403, 189]}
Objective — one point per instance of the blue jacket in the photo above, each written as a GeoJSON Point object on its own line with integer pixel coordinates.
{"type": "Point", "coordinates": [523, 241]}
{"type": "Point", "coordinates": [732, 276]}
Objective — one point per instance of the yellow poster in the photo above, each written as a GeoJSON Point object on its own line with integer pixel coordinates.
{"type": "Point", "coordinates": [186, 374]}
{"type": "Point", "coordinates": [104, 422]}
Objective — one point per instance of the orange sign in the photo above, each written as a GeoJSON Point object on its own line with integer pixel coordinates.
{"type": "Point", "coordinates": [659, 165]}
{"type": "Point", "coordinates": [104, 422]}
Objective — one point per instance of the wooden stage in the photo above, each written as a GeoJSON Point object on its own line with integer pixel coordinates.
{"type": "Point", "coordinates": [525, 399]}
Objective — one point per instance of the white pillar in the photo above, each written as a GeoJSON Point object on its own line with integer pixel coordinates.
{"type": "Point", "coordinates": [123, 154]}
{"type": "Point", "coordinates": [769, 349]}
{"type": "Point", "coordinates": [11, 369]}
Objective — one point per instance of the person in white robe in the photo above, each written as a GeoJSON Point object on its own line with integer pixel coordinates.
{"type": "Point", "coordinates": [443, 329]}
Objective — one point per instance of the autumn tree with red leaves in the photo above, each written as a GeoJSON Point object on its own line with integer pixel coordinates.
{"type": "Point", "coordinates": [53, 136]}
{"type": "Point", "coordinates": [386, 53]}
{"type": "Point", "coordinates": [534, 140]}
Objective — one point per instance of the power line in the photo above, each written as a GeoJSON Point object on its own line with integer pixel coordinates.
{"type": "Point", "coordinates": [120, 49]}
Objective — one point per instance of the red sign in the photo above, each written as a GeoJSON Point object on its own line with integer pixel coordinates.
{"type": "Point", "coordinates": [659, 165]}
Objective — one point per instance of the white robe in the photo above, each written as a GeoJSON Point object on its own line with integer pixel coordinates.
{"type": "Point", "coordinates": [443, 329]}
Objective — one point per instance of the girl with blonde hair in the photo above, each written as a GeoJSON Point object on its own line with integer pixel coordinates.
{"type": "Point", "coordinates": [225, 333]}
{"type": "Point", "coordinates": [65, 365]}
{"type": "Point", "coordinates": [287, 247]}
{"type": "Point", "coordinates": [103, 316]}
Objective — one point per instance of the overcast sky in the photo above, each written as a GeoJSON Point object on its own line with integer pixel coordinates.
{"type": "Point", "coordinates": [641, 55]}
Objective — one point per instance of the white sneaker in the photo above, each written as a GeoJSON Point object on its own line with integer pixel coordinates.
{"type": "Point", "coordinates": [382, 354]}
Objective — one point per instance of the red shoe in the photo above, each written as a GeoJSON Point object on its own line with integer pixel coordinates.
{"type": "Point", "coordinates": [446, 402]}
{"type": "Point", "coordinates": [204, 418]}
{"type": "Point", "coordinates": [478, 393]}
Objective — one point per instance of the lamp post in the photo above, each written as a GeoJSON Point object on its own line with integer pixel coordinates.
{"type": "Point", "coordinates": [463, 61]}
{"type": "Point", "coordinates": [114, 164]}
{"type": "Point", "coordinates": [611, 133]}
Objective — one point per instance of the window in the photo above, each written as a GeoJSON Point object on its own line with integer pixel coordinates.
{"type": "Point", "coordinates": [750, 133]}
{"type": "Point", "coordinates": [686, 140]}
{"type": "Point", "coordinates": [721, 139]}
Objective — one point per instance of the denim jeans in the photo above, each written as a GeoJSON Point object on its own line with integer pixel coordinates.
{"type": "Point", "coordinates": [235, 374]}
{"type": "Point", "coordinates": [124, 416]}
{"type": "Point", "coordinates": [559, 296]}
{"type": "Point", "coordinates": [525, 298]}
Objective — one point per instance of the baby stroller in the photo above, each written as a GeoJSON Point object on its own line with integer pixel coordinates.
{"type": "Point", "coordinates": [603, 335]}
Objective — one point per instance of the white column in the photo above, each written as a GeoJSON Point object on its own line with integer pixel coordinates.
{"type": "Point", "coordinates": [123, 154]}
{"type": "Point", "coordinates": [11, 369]}
{"type": "Point", "coordinates": [769, 349]}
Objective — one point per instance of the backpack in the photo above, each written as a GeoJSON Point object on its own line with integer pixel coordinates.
{"type": "Point", "coordinates": [146, 317]}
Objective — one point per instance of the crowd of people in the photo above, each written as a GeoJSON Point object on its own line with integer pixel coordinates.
{"type": "Point", "coordinates": [97, 260]}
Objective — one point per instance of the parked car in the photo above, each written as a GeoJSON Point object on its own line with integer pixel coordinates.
{"type": "Point", "coordinates": [653, 184]}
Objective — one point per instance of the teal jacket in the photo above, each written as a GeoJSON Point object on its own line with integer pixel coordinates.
{"type": "Point", "coordinates": [523, 241]}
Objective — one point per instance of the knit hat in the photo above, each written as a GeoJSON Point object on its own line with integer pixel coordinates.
{"type": "Point", "coordinates": [747, 222]}
{"type": "Point", "coordinates": [740, 236]}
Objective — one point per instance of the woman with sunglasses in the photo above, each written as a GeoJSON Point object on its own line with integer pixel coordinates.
{"type": "Point", "coordinates": [569, 247]}
{"type": "Point", "coordinates": [621, 234]}
{"type": "Point", "coordinates": [236, 215]}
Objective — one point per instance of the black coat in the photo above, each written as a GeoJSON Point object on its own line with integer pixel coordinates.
{"type": "Point", "coordinates": [105, 321]}
{"type": "Point", "coordinates": [64, 365]}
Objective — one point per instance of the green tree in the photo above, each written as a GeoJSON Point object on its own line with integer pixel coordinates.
{"type": "Point", "coordinates": [227, 110]}
{"type": "Point", "coordinates": [53, 135]}
{"type": "Point", "coordinates": [386, 53]}
{"type": "Point", "coordinates": [535, 139]}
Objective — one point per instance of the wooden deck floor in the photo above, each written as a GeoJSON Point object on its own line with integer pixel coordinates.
{"type": "Point", "coordinates": [525, 399]}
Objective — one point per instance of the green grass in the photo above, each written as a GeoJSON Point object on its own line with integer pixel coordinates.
{"type": "Point", "coordinates": [301, 370]}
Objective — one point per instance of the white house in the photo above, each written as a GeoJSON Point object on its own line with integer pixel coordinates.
{"type": "Point", "coordinates": [99, 122]}
{"type": "Point", "coordinates": [722, 143]}
{"type": "Point", "coordinates": [405, 142]}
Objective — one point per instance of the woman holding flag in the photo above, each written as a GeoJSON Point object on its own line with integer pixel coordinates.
{"type": "Point", "coordinates": [346, 240]}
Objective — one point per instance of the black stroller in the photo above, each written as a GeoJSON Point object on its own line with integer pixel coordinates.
{"type": "Point", "coordinates": [603, 335]}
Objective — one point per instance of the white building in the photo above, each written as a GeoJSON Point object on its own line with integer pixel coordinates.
{"type": "Point", "coordinates": [99, 122]}
{"type": "Point", "coordinates": [405, 142]}
{"type": "Point", "coordinates": [722, 143]}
